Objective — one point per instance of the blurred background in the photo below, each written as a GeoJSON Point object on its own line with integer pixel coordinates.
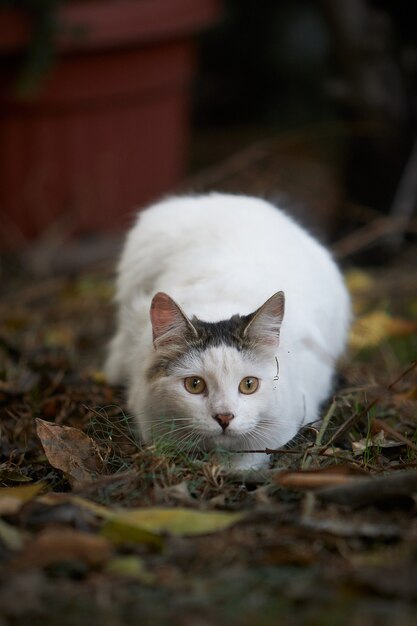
{"type": "Point", "coordinates": [108, 105]}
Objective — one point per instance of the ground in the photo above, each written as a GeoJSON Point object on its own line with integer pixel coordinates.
{"type": "Point", "coordinates": [96, 529]}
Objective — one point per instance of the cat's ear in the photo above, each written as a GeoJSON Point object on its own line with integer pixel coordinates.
{"type": "Point", "coordinates": [264, 325]}
{"type": "Point", "coordinates": [170, 325]}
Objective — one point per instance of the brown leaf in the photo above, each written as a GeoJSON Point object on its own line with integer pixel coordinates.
{"type": "Point", "coordinates": [70, 450]}
{"type": "Point", "coordinates": [323, 477]}
{"type": "Point", "coordinates": [54, 545]}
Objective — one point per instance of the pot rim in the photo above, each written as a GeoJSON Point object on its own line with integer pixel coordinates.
{"type": "Point", "coordinates": [110, 23]}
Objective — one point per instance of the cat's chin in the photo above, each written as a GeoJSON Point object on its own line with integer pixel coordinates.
{"type": "Point", "coordinates": [228, 441]}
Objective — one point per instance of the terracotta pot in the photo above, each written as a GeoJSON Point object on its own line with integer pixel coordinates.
{"type": "Point", "coordinates": [108, 130]}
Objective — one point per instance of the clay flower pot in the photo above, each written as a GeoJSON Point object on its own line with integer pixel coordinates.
{"type": "Point", "coordinates": [107, 131]}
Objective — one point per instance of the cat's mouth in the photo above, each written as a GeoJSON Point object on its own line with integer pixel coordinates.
{"type": "Point", "coordinates": [223, 438]}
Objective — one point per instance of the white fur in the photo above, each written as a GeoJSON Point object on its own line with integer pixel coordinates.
{"type": "Point", "coordinates": [217, 255]}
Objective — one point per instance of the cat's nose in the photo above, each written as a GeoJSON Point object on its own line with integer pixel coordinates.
{"type": "Point", "coordinates": [223, 419]}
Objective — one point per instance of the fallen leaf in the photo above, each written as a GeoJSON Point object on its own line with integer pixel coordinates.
{"type": "Point", "coordinates": [130, 566]}
{"type": "Point", "coordinates": [57, 498]}
{"type": "Point", "coordinates": [15, 476]}
{"type": "Point", "coordinates": [376, 442]}
{"type": "Point", "coordinates": [180, 521]}
{"type": "Point", "coordinates": [70, 450]}
{"type": "Point", "coordinates": [9, 505]}
{"type": "Point", "coordinates": [121, 531]}
{"type": "Point", "coordinates": [54, 545]}
{"type": "Point", "coordinates": [93, 507]}
{"type": "Point", "coordinates": [315, 479]}
{"type": "Point", "coordinates": [372, 329]}
{"type": "Point", "coordinates": [22, 492]}
{"type": "Point", "coordinates": [13, 498]}
{"type": "Point", "coordinates": [10, 536]}
{"type": "Point", "coordinates": [147, 525]}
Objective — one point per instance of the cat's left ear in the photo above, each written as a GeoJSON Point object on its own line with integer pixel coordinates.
{"type": "Point", "coordinates": [264, 325]}
{"type": "Point", "coordinates": [170, 325]}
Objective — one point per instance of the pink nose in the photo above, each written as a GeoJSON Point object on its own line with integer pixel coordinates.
{"type": "Point", "coordinates": [223, 419]}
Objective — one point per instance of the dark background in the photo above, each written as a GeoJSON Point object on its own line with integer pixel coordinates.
{"type": "Point", "coordinates": [345, 69]}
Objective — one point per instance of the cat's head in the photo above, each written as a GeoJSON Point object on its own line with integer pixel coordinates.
{"type": "Point", "coordinates": [211, 384]}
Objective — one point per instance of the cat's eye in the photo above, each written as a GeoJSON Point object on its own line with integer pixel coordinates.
{"type": "Point", "coordinates": [248, 385]}
{"type": "Point", "coordinates": [195, 384]}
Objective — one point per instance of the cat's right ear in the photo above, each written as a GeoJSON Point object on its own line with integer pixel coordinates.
{"type": "Point", "coordinates": [265, 324]}
{"type": "Point", "coordinates": [170, 325]}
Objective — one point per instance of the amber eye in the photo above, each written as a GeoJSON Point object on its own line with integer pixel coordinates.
{"type": "Point", "coordinates": [248, 385]}
{"type": "Point", "coordinates": [194, 384]}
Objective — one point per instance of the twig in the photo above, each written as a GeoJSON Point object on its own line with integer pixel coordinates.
{"type": "Point", "coordinates": [356, 418]}
{"type": "Point", "coordinates": [368, 490]}
{"type": "Point", "coordinates": [367, 235]}
{"type": "Point", "coordinates": [269, 451]}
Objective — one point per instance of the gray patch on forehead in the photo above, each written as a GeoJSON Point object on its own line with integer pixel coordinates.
{"type": "Point", "coordinates": [226, 332]}
{"type": "Point", "coordinates": [209, 335]}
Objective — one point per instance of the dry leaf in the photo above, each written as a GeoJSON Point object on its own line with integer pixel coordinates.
{"type": "Point", "coordinates": [120, 531]}
{"type": "Point", "coordinates": [180, 521]}
{"type": "Point", "coordinates": [314, 479]}
{"type": "Point", "coordinates": [70, 450]}
{"type": "Point", "coordinates": [130, 566]}
{"type": "Point", "coordinates": [10, 536]}
{"type": "Point", "coordinates": [372, 329]}
{"type": "Point", "coordinates": [9, 505]}
{"type": "Point", "coordinates": [377, 441]}
{"type": "Point", "coordinates": [55, 545]}
{"type": "Point", "coordinates": [22, 492]}
{"type": "Point", "coordinates": [146, 525]}
{"type": "Point", "coordinates": [13, 498]}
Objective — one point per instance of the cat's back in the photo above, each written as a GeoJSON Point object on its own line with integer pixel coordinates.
{"type": "Point", "coordinates": [203, 232]}
{"type": "Point", "coordinates": [227, 241]}
{"type": "Point", "coordinates": [211, 219]}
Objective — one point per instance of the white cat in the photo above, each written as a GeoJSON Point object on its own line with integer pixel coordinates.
{"type": "Point", "coordinates": [216, 363]}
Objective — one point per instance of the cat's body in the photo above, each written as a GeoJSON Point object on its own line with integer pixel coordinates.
{"type": "Point", "coordinates": [217, 256]}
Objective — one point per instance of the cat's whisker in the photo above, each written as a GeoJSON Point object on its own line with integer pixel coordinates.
{"type": "Point", "coordinates": [258, 439]}
{"type": "Point", "coordinates": [184, 438]}
{"type": "Point", "coordinates": [196, 445]}
{"type": "Point", "coordinates": [190, 444]}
